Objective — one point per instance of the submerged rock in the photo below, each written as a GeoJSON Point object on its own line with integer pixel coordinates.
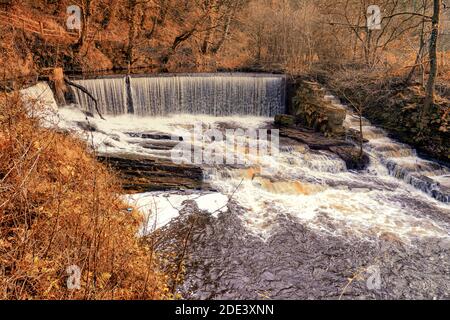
{"type": "Point", "coordinates": [354, 159]}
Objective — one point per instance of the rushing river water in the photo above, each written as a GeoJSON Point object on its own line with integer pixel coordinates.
{"type": "Point", "coordinates": [300, 229]}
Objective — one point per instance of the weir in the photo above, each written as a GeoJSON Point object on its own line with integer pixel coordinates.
{"type": "Point", "coordinates": [110, 93]}
{"type": "Point", "coordinates": [171, 95]}
{"type": "Point", "coordinates": [210, 94]}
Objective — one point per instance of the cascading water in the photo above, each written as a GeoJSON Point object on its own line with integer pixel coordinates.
{"type": "Point", "coordinates": [111, 95]}
{"type": "Point", "coordinates": [41, 103]}
{"type": "Point", "coordinates": [313, 187]}
{"type": "Point", "coordinates": [315, 181]}
{"type": "Point", "coordinates": [211, 94]}
{"type": "Point", "coordinates": [298, 224]}
{"type": "Point", "coordinates": [40, 94]}
{"type": "Point", "coordinates": [221, 95]}
{"type": "Point", "coordinates": [400, 160]}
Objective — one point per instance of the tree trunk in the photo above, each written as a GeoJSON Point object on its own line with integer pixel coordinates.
{"type": "Point", "coordinates": [131, 32]}
{"type": "Point", "coordinates": [420, 53]}
{"type": "Point", "coordinates": [86, 17]}
{"type": "Point", "coordinates": [225, 33]}
{"type": "Point", "coordinates": [207, 38]}
{"type": "Point", "coordinates": [430, 89]}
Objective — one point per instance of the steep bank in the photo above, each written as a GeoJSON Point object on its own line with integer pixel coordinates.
{"type": "Point", "coordinates": [162, 39]}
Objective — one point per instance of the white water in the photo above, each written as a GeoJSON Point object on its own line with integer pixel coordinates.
{"type": "Point", "coordinates": [160, 208]}
{"type": "Point", "coordinates": [111, 95]}
{"type": "Point", "coordinates": [401, 161]}
{"type": "Point", "coordinates": [218, 95]}
{"type": "Point", "coordinates": [41, 103]}
{"type": "Point", "coordinates": [113, 136]}
{"type": "Point", "coordinates": [313, 188]}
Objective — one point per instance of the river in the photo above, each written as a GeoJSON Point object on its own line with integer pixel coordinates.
{"type": "Point", "coordinates": [293, 224]}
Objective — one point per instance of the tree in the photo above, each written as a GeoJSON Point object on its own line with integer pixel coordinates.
{"type": "Point", "coordinates": [137, 12]}
{"type": "Point", "coordinates": [397, 21]}
{"type": "Point", "coordinates": [422, 43]}
{"type": "Point", "coordinates": [431, 85]}
{"type": "Point", "coordinates": [86, 13]}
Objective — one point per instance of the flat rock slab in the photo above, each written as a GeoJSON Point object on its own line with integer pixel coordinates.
{"type": "Point", "coordinates": [143, 174]}
{"type": "Point", "coordinates": [347, 151]}
{"type": "Point", "coordinates": [314, 140]}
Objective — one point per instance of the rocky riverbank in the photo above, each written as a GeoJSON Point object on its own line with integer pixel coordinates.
{"type": "Point", "coordinates": [396, 107]}
{"type": "Point", "coordinates": [319, 123]}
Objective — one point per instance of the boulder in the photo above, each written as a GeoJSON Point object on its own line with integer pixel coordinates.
{"type": "Point", "coordinates": [352, 157]}
{"type": "Point", "coordinates": [346, 150]}
{"type": "Point", "coordinates": [315, 140]}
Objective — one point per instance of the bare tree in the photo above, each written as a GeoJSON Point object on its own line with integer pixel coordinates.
{"type": "Point", "coordinates": [431, 85]}
{"type": "Point", "coordinates": [397, 21]}
{"type": "Point", "coordinates": [86, 14]}
{"type": "Point", "coordinates": [137, 16]}
{"type": "Point", "coordinates": [422, 43]}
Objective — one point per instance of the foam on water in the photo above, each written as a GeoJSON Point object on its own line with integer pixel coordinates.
{"type": "Point", "coordinates": [310, 187]}
{"type": "Point", "coordinates": [401, 161]}
{"type": "Point", "coordinates": [116, 134]}
{"type": "Point", "coordinates": [160, 208]}
{"type": "Point", "coordinates": [358, 204]}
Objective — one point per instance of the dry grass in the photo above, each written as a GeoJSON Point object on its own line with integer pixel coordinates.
{"type": "Point", "coordinates": [59, 207]}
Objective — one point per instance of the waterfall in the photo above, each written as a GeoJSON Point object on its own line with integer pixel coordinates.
{"type": "Point", "coordinates": [39, 95]}
{"type": "Point", "coordinates": [402, 162]}
{"type": "Point", "coordinates": [110, 93]}
{"type": "Point", "coordinates": [240, 95]}
{"type": "Point", "coordinates": [217, 95]}
{"type": "Point", "coordinates": [40, 102]}
{"type": "Point", "coordinates": [211, 94]}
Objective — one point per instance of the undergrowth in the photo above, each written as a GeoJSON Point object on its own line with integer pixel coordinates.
{"type": "Point", "coordinates": [59, 208]}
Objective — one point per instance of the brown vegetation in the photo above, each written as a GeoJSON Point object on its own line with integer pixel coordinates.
{"type": "Point", "coordinates": [209, 35]}
{"type": "Point", "coordinates": [59, 207]}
